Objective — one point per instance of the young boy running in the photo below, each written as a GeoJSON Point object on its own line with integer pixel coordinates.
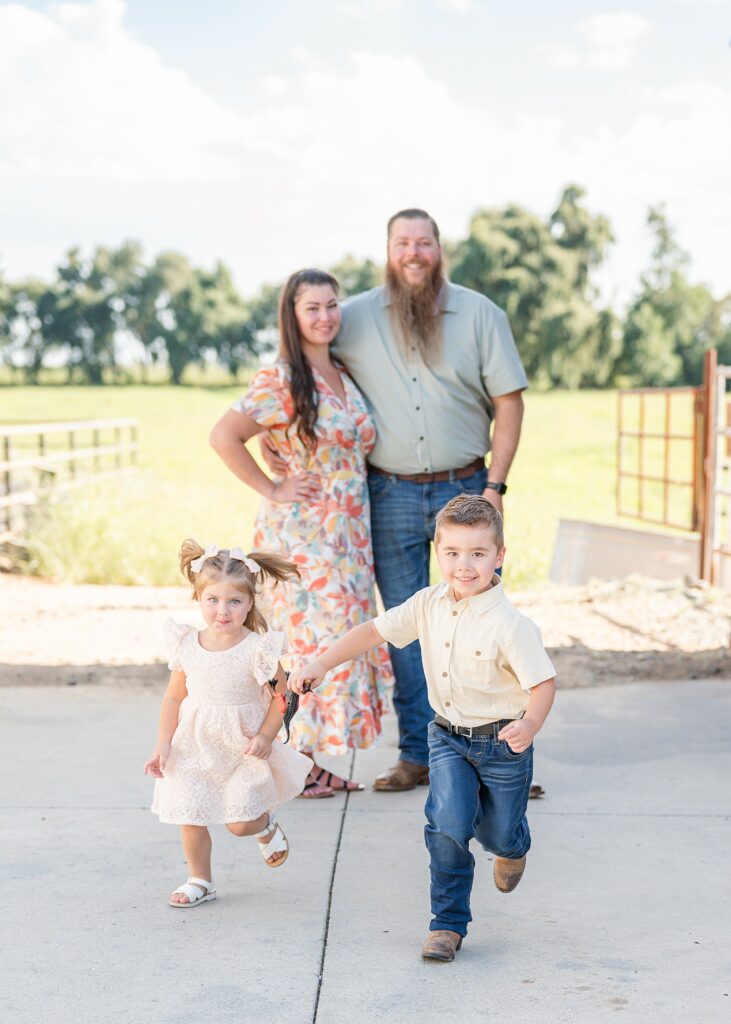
{"type": "Point", "coordinates": [491, 685]}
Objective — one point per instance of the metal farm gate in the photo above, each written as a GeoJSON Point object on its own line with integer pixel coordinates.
{"type": "Point", "coordinates": [674, 460]}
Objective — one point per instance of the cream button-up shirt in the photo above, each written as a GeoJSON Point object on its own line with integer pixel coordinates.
{"type": "Point", "coordinates": [481, 655]}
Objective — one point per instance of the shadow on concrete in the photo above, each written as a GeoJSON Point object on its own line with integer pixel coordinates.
{"type": "Point", "coordinates": [577, 666]}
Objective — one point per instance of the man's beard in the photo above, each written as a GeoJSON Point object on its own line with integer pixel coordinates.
{"type": "Point", "coordinates": [416, 312]}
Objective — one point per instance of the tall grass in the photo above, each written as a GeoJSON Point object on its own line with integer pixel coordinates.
{"type": "Point", "coordinates": [129, 532]}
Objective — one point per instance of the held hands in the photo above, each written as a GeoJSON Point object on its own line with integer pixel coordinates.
{"type": "Point", "coordinates": [155, 764]}
{"type": "Point", "coordinates": [260, 746]}
{"type": "Point", "coordinates": [307, 678]}
{"type": "Point", "coordinates": [303, 487]}
{"type": "Point", "coordinates": [518, 735]}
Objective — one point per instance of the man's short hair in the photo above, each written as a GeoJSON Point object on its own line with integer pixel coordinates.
{"type": "Point", "coordinates": [413, 214]}
{"type": "Point", "coordinates": [471, 510]}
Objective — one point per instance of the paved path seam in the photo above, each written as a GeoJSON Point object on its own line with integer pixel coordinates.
{"type": "Point", "coordinates": [331, 887]}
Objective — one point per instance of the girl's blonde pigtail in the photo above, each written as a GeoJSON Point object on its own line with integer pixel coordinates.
{"type": "Point", "coordinates": [276, 568]}
{"type": "Point", "coordinates": [189, 551]}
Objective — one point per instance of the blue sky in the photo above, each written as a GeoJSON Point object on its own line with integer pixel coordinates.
{"type": "Point", "coordinates": [274, 135]}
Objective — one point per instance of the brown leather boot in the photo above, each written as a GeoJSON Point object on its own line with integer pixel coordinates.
{"type": "Point", "coordinates": [404, 775]}
{"type": "Point", "coordinates": [507, 872]}
{"type": "Point", "coordinates": [441, 945]}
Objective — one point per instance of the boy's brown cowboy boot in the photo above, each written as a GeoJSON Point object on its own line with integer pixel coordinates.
{"type": "Point", "coordinates": [507, 872]}
{"type": "Point", "coordinates": [441, 945]}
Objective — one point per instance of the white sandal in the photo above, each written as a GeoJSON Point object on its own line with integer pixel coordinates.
{"type": "Point", "coordinates": [207, 892]}
{"type": "Point", "coordinates": [278, 844]}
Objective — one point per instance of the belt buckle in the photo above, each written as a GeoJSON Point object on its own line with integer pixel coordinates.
{"type": "Point", "coordinates": [465, 730]}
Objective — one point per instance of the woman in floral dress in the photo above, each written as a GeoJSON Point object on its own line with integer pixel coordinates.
{"type": "Point", "coordinates": [317, 515]}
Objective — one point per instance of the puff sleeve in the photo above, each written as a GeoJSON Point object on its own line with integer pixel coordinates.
{"type": "Point", "coordinates": [268, 651]}
{"type": "Point", "coordinates": [269, 400]}
{"type": "Point", "coordinates": [174, 634]}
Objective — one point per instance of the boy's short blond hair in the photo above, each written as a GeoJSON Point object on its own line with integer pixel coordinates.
{"type": "Point", "coordinates": [471, 510]}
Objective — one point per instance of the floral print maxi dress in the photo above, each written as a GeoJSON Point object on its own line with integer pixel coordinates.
{"type": "Point", "coordinates": [329, 540]}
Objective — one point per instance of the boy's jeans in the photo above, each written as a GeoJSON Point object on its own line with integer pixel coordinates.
{"type": "Point", "coordinates": [402, 523]}
{"type": "Point", "coordinates": [477, 789]}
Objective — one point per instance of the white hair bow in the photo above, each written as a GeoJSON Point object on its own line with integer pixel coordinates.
{"type": "Point", "coordinates": [197, 564]}
{"type": "Point", "coordinates": [250, 564]}
{"type": "Point", "coordinates": [212, 550]}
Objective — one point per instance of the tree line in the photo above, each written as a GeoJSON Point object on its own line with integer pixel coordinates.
{"type": "Point", "coordinates": [100, 310]}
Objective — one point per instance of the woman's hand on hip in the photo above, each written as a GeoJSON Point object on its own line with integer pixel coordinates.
{"type": "Point", "coordinates": [303, 487]}
{"type": "Point", "coordinates": [271, 455]}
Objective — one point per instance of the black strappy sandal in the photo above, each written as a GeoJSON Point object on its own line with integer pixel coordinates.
{"type": "Point", "coordinates": [349, 786]}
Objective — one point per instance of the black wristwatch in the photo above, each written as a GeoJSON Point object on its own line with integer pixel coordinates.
{"type": "Point", "coordinates": [499, 487]}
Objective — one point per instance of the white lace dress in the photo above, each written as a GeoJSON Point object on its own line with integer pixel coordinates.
{"type": "Point", "coordinates": [208, 779]}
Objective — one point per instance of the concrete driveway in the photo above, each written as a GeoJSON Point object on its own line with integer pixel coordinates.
{"type": "Point", "coordinates": [623, 913]}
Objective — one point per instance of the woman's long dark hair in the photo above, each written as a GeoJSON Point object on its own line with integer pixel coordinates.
{"type": "Point", "coordinates": [304, 389]}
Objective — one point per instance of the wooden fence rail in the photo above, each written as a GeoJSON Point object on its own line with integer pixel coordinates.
{"type": "Point", "coordinates": [37, 458]}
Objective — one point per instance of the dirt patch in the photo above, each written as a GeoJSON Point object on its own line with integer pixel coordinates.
{"type": "Point", "coordinates": [598, 634]}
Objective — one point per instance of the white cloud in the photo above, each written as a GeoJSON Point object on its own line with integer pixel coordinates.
{"type": "Point", "coordinates": [459, 6]}
{"type": "Point", "coordinates": [366, 8]}
{"type": "Point", "coordinates": [104, 141]}
{"type": "Point", "coordinates": [89, 101]}
{"type": "Point", "coordinates": [608, 42]}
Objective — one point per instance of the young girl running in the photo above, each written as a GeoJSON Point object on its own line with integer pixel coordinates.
{"type": "Point", "coordinates": [217, 760]}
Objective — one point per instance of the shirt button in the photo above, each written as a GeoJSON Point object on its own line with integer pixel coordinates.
{"type": "Point", "coordinates": [447, 703]}
{"type": "Point", "coordinates": [447, 644]}
{"type": "Point", "coordinates": [421, 438]}
{"type": "Point", "coordinates": [478, 653]}
{"type": "Point", "coordinates": [454, 613]}
{"type": "Point", "coordinates": [445, 674]}
{"type": "Point", "coordinates": [414, 379]}
{"type": "Point", "coordinates": [418, 407]}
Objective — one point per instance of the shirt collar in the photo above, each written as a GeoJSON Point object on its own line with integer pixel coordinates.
{"type": "Point", "coordinates": [480, 603]}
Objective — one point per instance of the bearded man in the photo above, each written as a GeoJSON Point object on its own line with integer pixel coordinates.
{"type": "Point", "coordinates": [440, 371]}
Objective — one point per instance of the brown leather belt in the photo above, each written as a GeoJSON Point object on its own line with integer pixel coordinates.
{"type": "Point", "coordinates": [435, 478]}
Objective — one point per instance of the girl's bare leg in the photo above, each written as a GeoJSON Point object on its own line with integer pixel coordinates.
{"type": "Point", "coordinates": [248, 828]}
{"type": "Point", "coordinates": [196, 840]}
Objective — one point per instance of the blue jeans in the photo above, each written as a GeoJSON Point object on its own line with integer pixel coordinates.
{"type": "Point", "coordinates": [402, 523]}
{"type": "Point", "coordinates": [478, 789]}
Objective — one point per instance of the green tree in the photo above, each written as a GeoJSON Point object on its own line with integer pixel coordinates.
{"type": "Point", "coordinates": [87, 311]}
{"type": "Point", "coordinates": [355, 276]}
{"type": "Point", "coordinates": [186, 315]}
{"type": "Point", "coordinates": [227, 320]}
{"type": "Point", "coordinates": [671, 321]}
{"type": "Point", "coordinates": [539, 273]}
{"type": "Point", "coordinates": [31, 306]}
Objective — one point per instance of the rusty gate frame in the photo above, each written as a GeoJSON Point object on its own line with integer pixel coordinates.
{"type": "Point", "coordinates": [710, 461]}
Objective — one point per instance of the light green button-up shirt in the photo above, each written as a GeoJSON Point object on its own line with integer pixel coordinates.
{"type": "Point", "coordinates": [430, 418]}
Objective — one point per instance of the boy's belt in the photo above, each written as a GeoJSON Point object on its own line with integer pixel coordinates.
{"type": "Point", "coordinates": [435, 478]}
{"type": "Point", "coordinates": [473, 730]}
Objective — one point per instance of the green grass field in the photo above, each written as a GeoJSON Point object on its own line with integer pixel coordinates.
{"type": "Point", "coordinates": [129, 532]}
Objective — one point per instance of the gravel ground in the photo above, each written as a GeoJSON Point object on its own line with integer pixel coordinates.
{"type": "Point", "coordinates": [597, 634]}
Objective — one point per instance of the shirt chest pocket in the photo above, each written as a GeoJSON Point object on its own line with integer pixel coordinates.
{"type": "Point", "coordinates": [480, 660]}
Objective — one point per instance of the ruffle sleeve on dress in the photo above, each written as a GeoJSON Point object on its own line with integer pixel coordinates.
{"type": "Point", "coordinates": [174, 634]}
{"type": "Point", "coordinates": [269, 649]}
{"type": "Point", "coordinates": [269, 400]}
